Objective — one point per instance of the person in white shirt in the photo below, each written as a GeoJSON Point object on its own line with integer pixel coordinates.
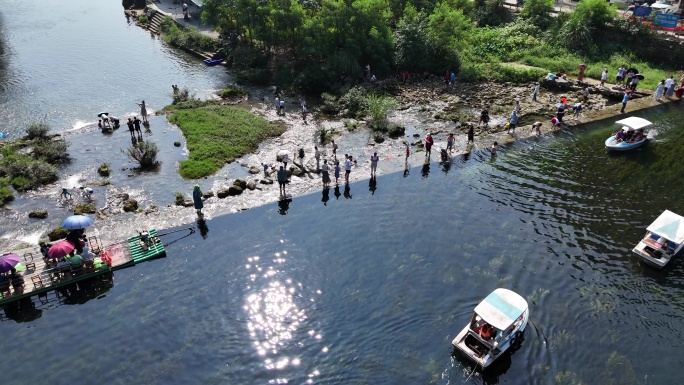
{"type": "Point", "coordinates": [347, 167]}
{"type": "Point", "coordinates": [604, 76]}
{"type": "Point", "coordinates": [669, 87]}
{"type": "Point", "coordinates": [374, 163]}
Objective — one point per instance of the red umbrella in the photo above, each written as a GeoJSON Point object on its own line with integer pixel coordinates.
{"type": "Point", "coordinates": [60, 249]}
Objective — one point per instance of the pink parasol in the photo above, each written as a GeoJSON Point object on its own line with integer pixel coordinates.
{"type": "Point", "coordinates": [60, 249]}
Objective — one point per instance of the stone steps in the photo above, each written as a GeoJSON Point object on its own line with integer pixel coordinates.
{"type": "Point", "coordinates": [154, 24]}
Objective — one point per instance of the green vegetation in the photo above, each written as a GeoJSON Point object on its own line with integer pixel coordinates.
{"type": "Point", "coordinates": [6, 195]}
{"type": "Point", "coordinates": [378, 107]}
{"type": "Point", "coordinates": [232, 91]}
{"type": "Point", "coordinates": [85, 208]}
{"type": "Point", "coordinates": [145, 153]}
{"type": "Point", "coordinates": [189, 38]}
{"type": "Point", "coordinates": [310, 44]}
{"type": "Point", "coordinates": [217, 135]}
{"type": "Point", "coordinates": [29, 163]}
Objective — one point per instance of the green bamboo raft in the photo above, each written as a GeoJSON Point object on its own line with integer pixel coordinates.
{"type": "Point", "coordinates": [41, 278]}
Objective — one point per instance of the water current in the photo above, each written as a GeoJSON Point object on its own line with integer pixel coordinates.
{"type": "Point", "coordinates": [369, 284]}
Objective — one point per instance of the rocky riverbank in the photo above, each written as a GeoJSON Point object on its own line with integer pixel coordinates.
{"type": "Point", "coordinates": [423, 107]}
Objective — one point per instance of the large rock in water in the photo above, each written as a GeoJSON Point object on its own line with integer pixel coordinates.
{"type": "Point", "coordinates": [266, 181]}
{"type": "Point", "coordinates": [251, 185]}
{"type": "Point", "coordinates": [240, 183]}
{"type": "Point", "coordinates": [234, 190]}
{"type": "Point", "coordinates": [254, 170]}
{"type": "Point", "coordinates": [130, 205]}
{"type": "Point", "coordinates": [39, 214]}
{"type": "Point", "coordinates": [85, 208]}
{"type": "Point", "coordinates": [208, 194]}
{"type": "Point", "coordinates": [57, 233]}
{"type": "Point", "coordinates": [222, 193]}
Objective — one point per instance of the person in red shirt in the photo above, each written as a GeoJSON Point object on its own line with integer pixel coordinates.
{"type": "Point", "coordinates": [428, 144]}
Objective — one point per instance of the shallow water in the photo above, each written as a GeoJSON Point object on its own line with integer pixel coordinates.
{"type": "Point", "coordinates": [373, 287]}
{"type": "Point", "coordinates": [68, 62]}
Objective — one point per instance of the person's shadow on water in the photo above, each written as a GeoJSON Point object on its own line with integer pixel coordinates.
{"type": "Point", "coordinates": [283, 206]}
{"type": "Point", "coordinates": [326, 196]}
{"type": "Point", "coordinates": [372, 185]}
{"type": "Point", "coordinates": [425, 171]}
{"type": "Point", "coordinates": [347, 191]}
{"type": "Point", "coordinates": [202, 226]}
{"type": "Point", "coordinates": [337, 192]}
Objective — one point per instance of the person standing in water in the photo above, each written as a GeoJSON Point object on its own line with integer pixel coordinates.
{"type": "Point", "coordinates": [450, 142]}
{"type": "Point", "coordinates": [197, 199]}
{"type": "Point", "coordinates": [282, 179]}
{"type": "Point", "coordinates": [337, 172]}
{"type": "Point", "coordinates": [136, 124]}
{"type": "Point", "coordinates": [143, 111]}
{"type": "Point", "coordinates": [428, 144]}
{"type": "Point", "coordinates": [131, 129]}
{"type": "Point", "coordinates": [471, 133]}
{"type": "Point", "coordinates": [374, 163]}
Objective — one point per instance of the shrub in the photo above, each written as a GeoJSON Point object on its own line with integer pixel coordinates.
{"type": "Point", "coordinates": [21, 183]}
{"type": "Point", "coordinates": [179, 198]}
{"type": "Point", "coordinates": [378, 107]}
{"type": "Point", "coordinates": [259, 77]}
{"type": "Point", "coordinates": [232, 91]}
{"type": "Point", "coordinates": [182, 96]}
{"type": "Point", "coordinates": [354, 101]}
{"type": "Point", "coordinates": [5, 192]}
{"type": "Point", "coordinates": [145, 153]}
{"type": "Point", "coordinates": [538, 12]}
{"type": "Point", "coordinates": [142, 19]}
{"type": "Point", "coordinates": [249, 58]}
{"type": "Point", "coordinates": [53, 152]}
{"type": "Point", "coordinates": [330, 104]}
{"type": "Point", "coordinates": [26, 173]}
{"type": "Point", "coordinates": [37, 130]}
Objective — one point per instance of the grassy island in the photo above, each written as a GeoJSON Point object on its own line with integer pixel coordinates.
{"type": "Point", "coordinates": [217, 135]}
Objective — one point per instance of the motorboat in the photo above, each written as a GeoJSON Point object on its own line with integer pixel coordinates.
{"type": "Point", "coordinates": [631, 126]}
{"type": "Point", "coordinates": [497, 326]}
{"type": "Point", "coordinates": [664, 238]}
{"type": "Point", "coordinates": [213, 62]}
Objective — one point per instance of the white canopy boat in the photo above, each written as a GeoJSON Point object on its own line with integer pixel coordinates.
{"type": "Point", "coordinates": [664, 238]}
{"type": "Point", "coordinates": [631, 127]}
{"type": "Point", "coordinates": [497, 326]}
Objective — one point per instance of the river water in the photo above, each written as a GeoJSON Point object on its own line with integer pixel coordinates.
{"type": "Point", "coordinates": [371, 285]}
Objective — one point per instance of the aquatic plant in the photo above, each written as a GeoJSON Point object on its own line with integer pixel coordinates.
{"type": "Point", "coordinates": [145, 153]}
{"type": "Point", "coordinates": [85, 208]}
{"type": "Point", "coordinates": [104, 169]}
{"type": "Point", "coordinates": [37, 130]}
{"type": "Point", "coordinates": [537, 295]}
{"type": "Point", "coordinates": [567, 377]}
{"type": "Point", "coordinates": [560, 340]}
{"type": "Point", "coordinates": [6, 195]}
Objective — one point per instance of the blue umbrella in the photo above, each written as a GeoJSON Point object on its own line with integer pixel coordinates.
{"type": "Point", "coordinates": [77, 222]}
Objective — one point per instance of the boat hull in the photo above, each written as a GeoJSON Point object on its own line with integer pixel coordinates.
{"type": "Point", "coordinates": [213, 62]}
{"type": "Point", "coordinates": [612, 144]}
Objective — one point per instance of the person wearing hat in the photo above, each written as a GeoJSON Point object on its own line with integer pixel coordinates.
{"type": "Point", "coordinates": [197, 199]}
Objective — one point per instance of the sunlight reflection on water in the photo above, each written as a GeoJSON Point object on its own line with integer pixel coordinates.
{"type": "Point", "coordinates": [274, 317]}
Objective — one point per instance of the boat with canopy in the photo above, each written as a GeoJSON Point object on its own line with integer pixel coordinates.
{"type": "Point", "coordinates": [630, 136]}
{"type": "Point", "coordinates": [663, 240]}
{"type": "Point", "coordinates": [497, 326]}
